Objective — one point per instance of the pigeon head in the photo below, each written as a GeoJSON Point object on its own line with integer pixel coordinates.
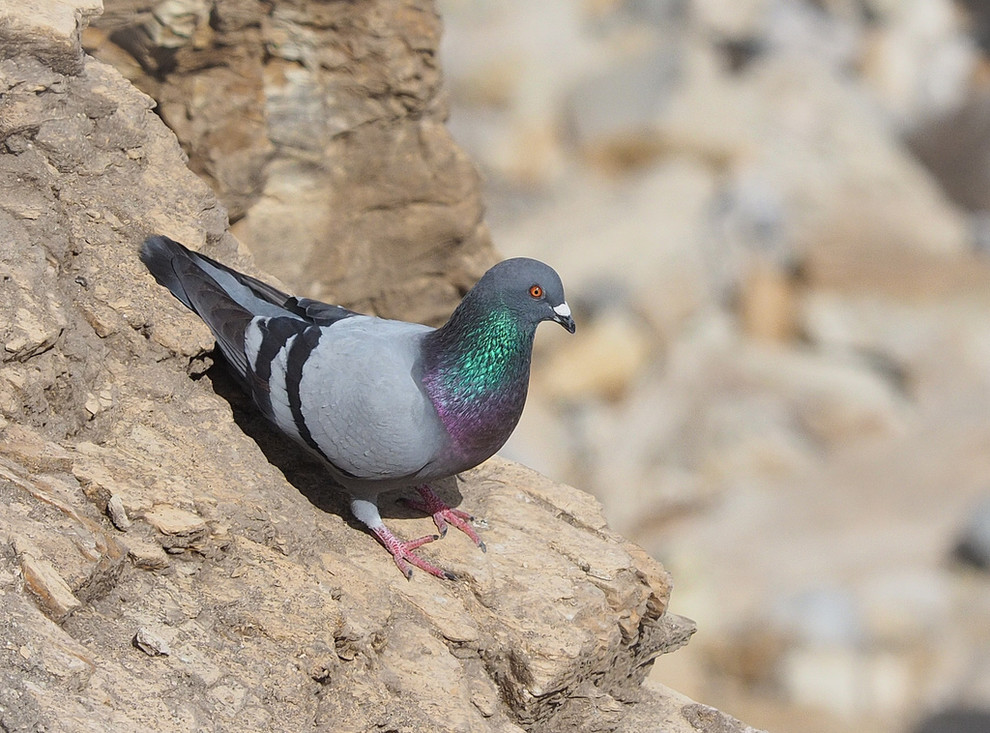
{"type": "Point", "coordinates": [527, 289]}
{"type": "Point", "coordinates": [476, 367]}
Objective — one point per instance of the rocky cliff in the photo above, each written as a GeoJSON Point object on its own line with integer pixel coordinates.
{"type": "Point", "coordinates": [321, 129]}
{"type": "Point", "coordinates": [167, 564]}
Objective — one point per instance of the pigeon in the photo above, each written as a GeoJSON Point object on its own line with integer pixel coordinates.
{"type": "Point", "coordinates": [384, 404]}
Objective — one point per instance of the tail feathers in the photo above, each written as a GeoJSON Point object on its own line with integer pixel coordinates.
{"type": "Point", "coordinates": [227, 300]}
{"type": "Point", "coordinates": [158, 254]}
{"type": "Point", "coordinates": [214, 292]}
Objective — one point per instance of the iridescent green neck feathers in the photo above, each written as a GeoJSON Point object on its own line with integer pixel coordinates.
{"type": "Point", "coordinates": [477, 375]}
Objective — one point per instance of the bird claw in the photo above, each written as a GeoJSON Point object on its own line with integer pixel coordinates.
{"type": "Point", "coordinates": [444, 515]}
{"type": "Point", "coordinates": [402, 553]}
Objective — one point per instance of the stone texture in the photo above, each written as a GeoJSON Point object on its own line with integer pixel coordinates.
{"type": "Point", "coordinates": [42, 579]}
{"type": "Point", "coordinates": [242, 597]}
{"type": "Point", "coordinates": [47, 31]}
{"type": "Point", "coordinates": [676, 713]}
{"type": "Point", "coordinates": [321, 130]}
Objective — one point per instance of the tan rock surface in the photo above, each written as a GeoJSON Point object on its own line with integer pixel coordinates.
{"type": "Point", "coordinates": [242, 597]}
{"type": "Point", "coordinates": [319, 126]}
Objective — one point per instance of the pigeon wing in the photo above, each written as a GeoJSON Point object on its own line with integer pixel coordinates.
{"type": "Point", "coordinates": [228, 300]}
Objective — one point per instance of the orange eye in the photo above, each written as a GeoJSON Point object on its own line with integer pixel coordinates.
{"type": "Point", "coordinates": [536, 291]}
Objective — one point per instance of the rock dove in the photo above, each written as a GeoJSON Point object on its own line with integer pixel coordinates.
{"type": "Point", "coordinates": [384, 404]}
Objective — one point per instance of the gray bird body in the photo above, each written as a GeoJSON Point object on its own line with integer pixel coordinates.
{"type": "Point", "coordinates": [385, 404]}
{"type": "Point", "coordinates": [376, 427]}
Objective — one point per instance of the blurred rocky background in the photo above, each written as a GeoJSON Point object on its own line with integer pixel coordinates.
{"type": "Point", "coordinates": [773, 220]}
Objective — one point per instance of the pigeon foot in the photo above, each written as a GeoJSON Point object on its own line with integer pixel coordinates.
{"type": "Point", "coordinates": [444, 515]}
{"type": "Point", "coordinates": [402, 553]}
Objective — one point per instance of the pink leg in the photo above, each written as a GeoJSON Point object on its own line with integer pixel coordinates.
{"type": "Point", "coordinates": [444, 515]}
{"type": "Point", "coordinates": [402, 553]}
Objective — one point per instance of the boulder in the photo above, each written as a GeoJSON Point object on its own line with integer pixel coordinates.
{"type": "Point", "coordinates": [168, 563]}
{"type": "Point", "coordinates": [320, 127]}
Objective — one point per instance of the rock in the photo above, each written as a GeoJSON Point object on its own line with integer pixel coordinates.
{"type": "Point", "coordinates": [180, 530]}
{"type": "Point", "coordinates": [101, 487]}
{"type": "Point", "coordinates": [918, 61]}
{"type": "Point", "coordinates": [679, 714]}
{"type": "Point", "coordinates": [34, 452]}
{"type": "Point", "coordinates": [36, 647]}
{"type": "Point", "coordinates": [50, 33]}
{"type": "Point", "coordinates": [43, 580]}
{"type": "Point", "coordinates": [973, 544]}
{"type": "Point", "coordinates": [271, 605]}
{"type": "Point", "coordinates": [954, 720]}
{"type": "Point", "coordinates": [171, 520]}
{"type": "Point", "coordinates": [612, 115]}
{"type": "Point", "coordinates": [769, 304]}
{"type": "Point", "coordinates": [320, 127]}
{"type": "Point", "coordinates": [78, 561]}
{"type": "Point", "coordinates": [117, 513]}
{"type": "Point", "coordinates": [146, 555]}
{"type": "Point", "coordinates": [151, 643]}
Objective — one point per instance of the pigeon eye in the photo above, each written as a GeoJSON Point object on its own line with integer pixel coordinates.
{"type": "Point", "coordinates": [536, 291]}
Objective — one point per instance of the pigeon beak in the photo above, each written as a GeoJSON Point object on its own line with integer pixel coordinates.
{"type": "Point", "coordinates": [562, 315]}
